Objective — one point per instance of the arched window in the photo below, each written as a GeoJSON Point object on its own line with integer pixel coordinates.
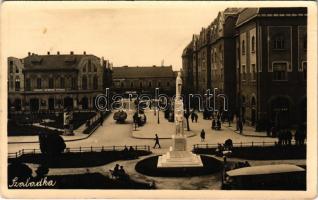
{"type": "Point", "coordinates": [17, 70]}
{"type": "Point", "coordinates": [84, 82]}
{"type": "Point", "coordinates": [51, 83]}
{"type": "Point", "coordinates": [11, 66]}
{"type": "Point", "coordinates": [95, 82]}
{"type": "Point", "coordinates": [62, 82]}
{"type": "Point", "coordinates": [243, 47]}
{"type": "Point", "coordinates": [17, 83]}
{"type": "Point", "coordinates": [95, 68]}
{"type": "Point", "coordinates": [253, 44]}
{"type": "Point", "coordinates": [149, 84]}
{"type": "Point", "coordinates": [38, 83]}
{"type": "Point", "coordinates": [140, 84]}
{"type": "Point", "coordinates": [279, 42]}
{"type": "Point", "coordinates": [84, 69]}
{"type": "Point", "coordinates": [132, 84]}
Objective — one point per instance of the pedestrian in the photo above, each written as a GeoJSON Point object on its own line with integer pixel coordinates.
{"type": "Point", "coordinates": [196, 118]}
{"type": "Point", "coordinates": [213, 124]}
{"type": "Point", "coordinates": [289, 137]}
{"type": "Point", "coordinates": [218, 125]}
{"type": "Point", "coordinates": [241, 126]}
{"type": "Point", "coordinates": [274, 131]}
{"type": "Point", "coordinates": [202, 135]}
{"type": "Point", "coordinates": [192, 116]}
{"type": "Point", "coordinates": [157, 142]}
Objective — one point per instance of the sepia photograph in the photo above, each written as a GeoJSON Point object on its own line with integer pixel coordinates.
{"type": "Point", "coordinates": [156, 96]}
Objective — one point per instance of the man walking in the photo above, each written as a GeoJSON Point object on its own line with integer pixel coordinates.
{"type": "Point", "coordinates": [157, 142]}
{"type": "Point", "coordinates": [202, 135]}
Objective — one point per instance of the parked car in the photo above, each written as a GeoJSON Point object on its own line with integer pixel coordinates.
{"type": "Point", "coordinates": [266, 177]}
{"type": "Point", "coordinates": [120, 116]}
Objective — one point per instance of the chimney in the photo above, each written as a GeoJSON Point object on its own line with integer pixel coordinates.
{"type": "Point", "coordinates": [58, 53]}
{"type": "Point", "coordinates": [72, 53]}
{"type": "Point", "coordinates": [84, 52]}
{"type": "Point", "coordinates": [29, 53]}
{"type": "Point", "coordinates": [48, 53]}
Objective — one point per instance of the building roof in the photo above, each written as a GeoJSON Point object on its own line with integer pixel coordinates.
{"type": "Point", "coordinates": [53, 62]}
{"type": "Point", "coordinates": [143, 72]}
{"type": "Point", "coordinates": [249, 13]}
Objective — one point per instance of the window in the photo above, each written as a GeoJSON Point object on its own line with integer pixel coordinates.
{"type": "Point", "coordinates": [51, 83]}
{"type": "Point", "coordinates": [17, 70]}
{"type": "Point", "coordinates": [38, 83]}
{"type": "Point", "coordinates": [159, 84]}
{"type": "Point", "coordinates": [132, 84]}
{"type": "Point", "coordinates": [17, 84]}
{"type": "Point", "coordinates": [95, 82]}
{"type": "Point", "coordinates": [95, 68]}
{"type": "Point", "coordinates": [149, 84]}
{"type": "Point", "coordinates": [84, 69]}
{"type": "Point", "coordinates": [73, 83]}
{"type": "Point", "coordinates": [243, 72]}
{"type": "Point", "coordinates": [279, 42]}
{"type": "Point", "coordinates": [253, 72]}
{"type": "Point", "coordinates": [62, 82]}
{"type": "Point", "coordinates": [253, 44]}
{"type": "Point", "coordinates": [168, 84]}
{"type": "Point", "coordinates": [280, 71]}
{"type": "Point", "coordinates": [84, 82]}
{"type": "Point", "coordinates": [304, 70]}
{"type": "Point", "coordinates": [89, 63]}
{"type": "Point", "coordinates": [28, 84]}
{"type": "Point", "coordinates": [11, 82]}
{"type": "Point", "coordinates": [140, 84]}
{"type": "Point", "coordinates": [11, 66]}
{"type": "Point", "coordinates": [243, 47]}
{"type": "Point", "coordinates": [121, 84]}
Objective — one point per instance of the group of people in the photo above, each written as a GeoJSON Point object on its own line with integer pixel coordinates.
{"type": "Point", "coordinates": [285, 137]}
{"type": "Point", "coordinates": [119, 173]}
{"type": "Point", "coordinates": [216, 125]}
{"type": "Point", "coordinates": [129, 153]}
{"type": "Point", "coordinates": [225, 148]}
{"type": "Point", "coordinates": [194, 117]}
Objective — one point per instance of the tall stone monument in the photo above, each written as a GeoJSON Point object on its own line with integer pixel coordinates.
{"type": "Point", "coordinates": [178, 156]}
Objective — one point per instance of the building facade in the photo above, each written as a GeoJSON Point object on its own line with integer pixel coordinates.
{"type": "Point", "coordinates": [258, 59]}
{"type": "Point", "coordinates": [54, 82]}
{"type": "Point", "coordinates": [272, 65]}
{"type": "Point", "coordinates": [144, 79]}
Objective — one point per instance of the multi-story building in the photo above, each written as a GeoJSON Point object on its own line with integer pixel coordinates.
{"type": "Point", "coordinates": [222, 56]}
{"type": "Point", "coordinates": [272, 65]}
{"type": "Point", "coordinates": [54, 82]}
{"type": "Point", "coordinates": [257, 58]}
{"type": "Point", "coordinates": [144, 79]}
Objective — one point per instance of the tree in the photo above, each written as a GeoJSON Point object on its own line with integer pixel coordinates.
{"type": "Point", "coordinates": [51, 144]}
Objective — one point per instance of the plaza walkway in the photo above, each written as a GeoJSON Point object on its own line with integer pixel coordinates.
{"type": "Point", "coordinates": [112, 133]}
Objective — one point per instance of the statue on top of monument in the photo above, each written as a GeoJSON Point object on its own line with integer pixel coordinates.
{"type": "Point", "coordinates": [178, 86]}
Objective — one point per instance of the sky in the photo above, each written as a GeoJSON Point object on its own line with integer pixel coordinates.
{"type": "Point", "coordinates": [130, 33]}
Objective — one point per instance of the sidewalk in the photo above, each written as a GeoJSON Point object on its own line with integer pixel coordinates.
{"type": "Point", "coordinates": [164, 129]}
{"type": "Point", "coordinates": [247, 130]}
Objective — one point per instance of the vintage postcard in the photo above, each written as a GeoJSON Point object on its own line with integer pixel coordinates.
{"type": "Point", "coordinates": [159, 99]}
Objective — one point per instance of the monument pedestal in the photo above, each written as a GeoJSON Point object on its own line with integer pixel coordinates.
{"type": "Point", "coordinates": [178, 156]}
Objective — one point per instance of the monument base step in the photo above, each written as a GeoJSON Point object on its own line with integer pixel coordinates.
{"type": "Point", "coordinates": [179, 159]}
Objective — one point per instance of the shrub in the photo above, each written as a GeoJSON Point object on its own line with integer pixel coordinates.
{"type": "Point", "coordinates": [51, 143]}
